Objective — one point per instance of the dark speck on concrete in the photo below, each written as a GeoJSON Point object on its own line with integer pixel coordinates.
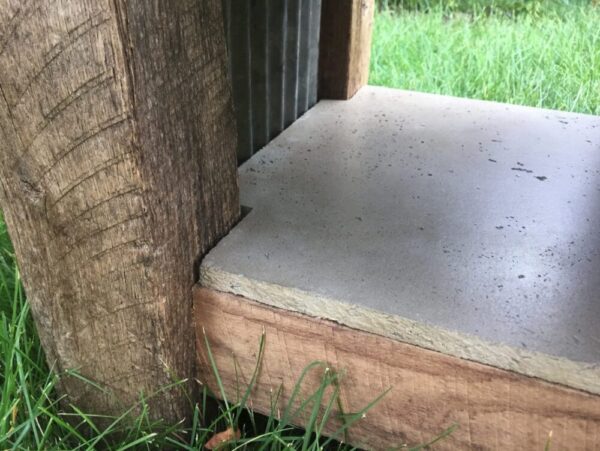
{"type": "Point", "coordinates": [492, 160]}
{"type": "Point", "coordinates": [521, 276]}
{"type": "Point", "coordinates": [529, 171]}
{"type": "Point", "coordinates": [541, 178]}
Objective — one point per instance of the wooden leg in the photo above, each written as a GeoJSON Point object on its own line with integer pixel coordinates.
{"type": "Point", "coordinates": [118, 171]}
{"type": "Point", "coordinates": [345, 47]}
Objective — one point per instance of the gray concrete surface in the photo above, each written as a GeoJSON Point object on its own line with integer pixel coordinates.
{"type": "Point", "coordinates": [464, 226]}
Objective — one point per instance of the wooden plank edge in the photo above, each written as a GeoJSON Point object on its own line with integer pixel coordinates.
{"type": "Point", "coordinates": [494, 408]}
{"type": "Point", "coordinates": [578, 375]}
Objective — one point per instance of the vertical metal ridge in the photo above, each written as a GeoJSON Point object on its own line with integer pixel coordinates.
{"type": "Point", "coordinates": [308, 53]}
{"type": "Point", "coordinates": [275, 68]}
{"type": "Point", "coordinates": [267, 68]}
{"type": "Point", "coordinates": [258, 62]}
{"type": "Point", "coordinates": [299, 62]}
{"type": "Point", "coordinates": [246, 75]}
{"type": "Point", "coordinates": [302, 81]}
{"type": "Point", "coordinates": [273, 54]}
{"type": "Point", "coordinates": [313, 46]}
{"type": "Point", "coordinates": [284, 67]}
{"type": "Point", "coordinates": [291, 61]}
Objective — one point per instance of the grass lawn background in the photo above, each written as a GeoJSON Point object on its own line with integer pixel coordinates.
{"type": "Point", "coordinates": [538, 53]}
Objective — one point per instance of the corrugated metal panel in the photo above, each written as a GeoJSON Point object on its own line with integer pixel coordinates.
{"type": "Point", "coordinates": [274, 54]}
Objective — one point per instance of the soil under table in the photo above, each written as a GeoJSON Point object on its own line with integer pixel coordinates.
{"type": "Point", "coordinates": [467, 227]}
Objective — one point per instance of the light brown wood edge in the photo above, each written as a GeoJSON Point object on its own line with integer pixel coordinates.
{"type": "Point", "coordinates": [345, 47]}
{"type": "Point", "coordinates": [494, 409]}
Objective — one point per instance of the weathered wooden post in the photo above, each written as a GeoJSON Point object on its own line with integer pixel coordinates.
{"type": "Point", "coordinates": [118, 171]}
{"type": "Point", "coordinates": [345, 47]}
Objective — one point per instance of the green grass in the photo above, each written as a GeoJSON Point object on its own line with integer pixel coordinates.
{"type": "Point", "coordinates": [34, 416]}
{"type": "Point", "coordinates": [547, 57]}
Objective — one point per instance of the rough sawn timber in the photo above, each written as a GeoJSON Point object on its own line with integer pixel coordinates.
{"type": "Point", "coordinates": [494, 409]}
{"type": "Point", "coordinates": [345, 47]}
{"type": "Point", "coordinates": [118, 172]}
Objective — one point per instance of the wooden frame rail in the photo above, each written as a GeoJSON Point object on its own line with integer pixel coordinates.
{"type": "Point", "coordinates": [430, 391]}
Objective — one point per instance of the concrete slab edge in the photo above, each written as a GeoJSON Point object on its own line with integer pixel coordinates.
{"type": "Point", "coordinates": [578, 375]}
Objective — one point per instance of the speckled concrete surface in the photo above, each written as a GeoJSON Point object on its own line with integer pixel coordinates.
{"type": "Point", "coordinates": [468, 227]}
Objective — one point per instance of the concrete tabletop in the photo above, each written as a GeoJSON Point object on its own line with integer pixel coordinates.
{"type": "Point", "coordinates": [463, 226]}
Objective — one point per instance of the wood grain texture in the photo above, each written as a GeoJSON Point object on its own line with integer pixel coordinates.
{"type": "Point", "coordinates": [345, 47]}
{"type": "Point", "coordinates": [118, 172]}
{"type": "Point", "coordinates": [495, 409]}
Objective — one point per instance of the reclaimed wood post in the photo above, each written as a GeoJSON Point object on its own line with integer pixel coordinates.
{"type": "Point", "coordinates": [345, 47]}
{"type": "Point", "coordinates": [118, 172]}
